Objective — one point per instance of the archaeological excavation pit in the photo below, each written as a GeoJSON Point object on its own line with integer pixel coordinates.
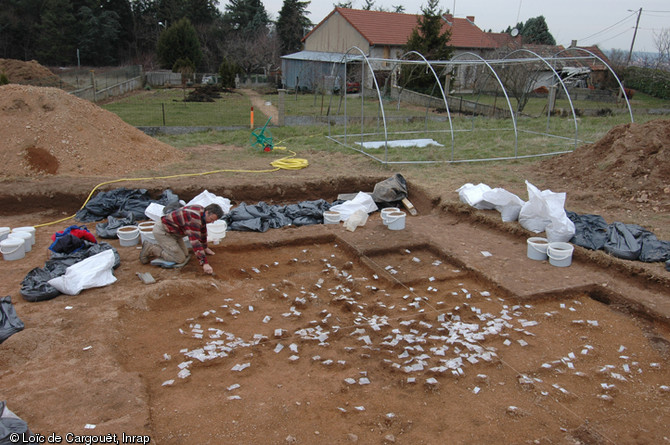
{"type": "Point", "coordinates": [318, 340]}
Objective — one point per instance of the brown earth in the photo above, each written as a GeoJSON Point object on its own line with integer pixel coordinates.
{"type": "Point", "coordinates": [444, 332]}
{"type": "Point", "coordinates": [31, 72]}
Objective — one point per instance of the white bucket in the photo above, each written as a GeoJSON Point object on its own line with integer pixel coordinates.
{"type": "Point", "coordinates": [331, 217]}
{"type": "Point", "coordinates": [147, 231]}
{"type": "Point", "coordinates": [13, 248]}
{"type": "Point", "coordinates": [560, 254]}
{"type": "Point", "coordinates": [385, 213]}
{"type": "Point", "coordinates": [537, 248]}
{"type": "Point", "coordinates": [128, 235]}
{"type": "Point", "coordinates": [4, 231]}
{"type": "Point", "coordinates": [396, 220]}
{"type": "Point", "coordinates": [25, 236]}
{"type": "Point", "coordinates": [216, 231]}
{"type": "Point", "coordinates": [30, 230]}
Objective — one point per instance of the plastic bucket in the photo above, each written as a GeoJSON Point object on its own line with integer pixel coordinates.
{"type": "Point", "coordinates": [386, 212]}
{"type": "Point", "coordinates": [560, 254]}
{"type": "Point", "coordinates": [216, 231]}
{"type": "Point", "coordinates": [4, 231]}
{"type": "Point", "coordinates": [331, 217]}
{"type": "Point", "coordinates": [30, 230]}
{"type": "Point", "coordinates": [13, 248]}
{"type": "Point", "coordinates": [147, 231]}
{"type": "Point", "coordinates": [25, 236]}
{"type": "Point", "coordinates": [537, 248]}
{"type": "Point", "coordinates": [396, 220]}
{"type": "Point", "coordinates": [128, 235]}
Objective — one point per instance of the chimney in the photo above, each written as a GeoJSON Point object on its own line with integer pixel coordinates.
{"type": "Point", "coordinates": [573, 44]}
{"type": "Point", "coordinates": [471, 18]}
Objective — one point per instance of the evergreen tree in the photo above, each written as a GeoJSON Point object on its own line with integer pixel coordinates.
{"type": "Point", "coordinates": [179, 41]}
{"type": "Point", "coordinates": [536, 30]}
{"type": "Point", "coordinates": [56, 44]}
{"type": "Point", "coordinates": [429, 40]}
{"type": "Point", "coordinates": [227, 72]}
{"type": "Point", "coordinates": [19, 22]}
{"type": "Point", "coordinates": [247, 17]}
{"type": "Point", "coordinates": [98, 37]}
{"type": "Point", "coordinates": [292, 25]}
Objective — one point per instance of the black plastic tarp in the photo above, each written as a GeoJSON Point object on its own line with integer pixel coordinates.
{"type": "Point", "coordinates": [35, 286]}
{"type": "Point", "coordinates": [121, 201]}
{"type": "Point", "coordinates": [11, 424]}
{"type": "Point", "coordinates": [10, 323]}
{"type": "Point", "coordinates": [626, 241]}
{"type": "Point", "coordinates": [262, 216]}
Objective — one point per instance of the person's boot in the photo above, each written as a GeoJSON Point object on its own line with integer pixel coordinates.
{"type": "Point", "coordinates": [149, 251]}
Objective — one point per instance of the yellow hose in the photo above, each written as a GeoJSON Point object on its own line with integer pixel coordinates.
{"type": "Point", "coordinates": [287, 163]}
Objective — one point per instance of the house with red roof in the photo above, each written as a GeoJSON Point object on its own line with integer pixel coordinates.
{"type": "Point", "coordinates": [378, 35]}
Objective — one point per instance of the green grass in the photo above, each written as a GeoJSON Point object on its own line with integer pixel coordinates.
{"type": "Point", "coordinates": [166, 107]}
{"type": "Point", "coordinates": [477, 138]}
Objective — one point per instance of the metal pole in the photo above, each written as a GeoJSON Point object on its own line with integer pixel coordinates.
{"type": "Point", "coordinates": [630, 53]}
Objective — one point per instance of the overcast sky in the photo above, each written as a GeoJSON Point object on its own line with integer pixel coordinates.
{"type": "Point", "coordinates": [606, 23]}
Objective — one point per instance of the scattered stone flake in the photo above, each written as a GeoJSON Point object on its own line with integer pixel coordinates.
{"type": "Point", "coordinates": [168, 383]}
{"type": "Point", "coordinates": [240, 367]}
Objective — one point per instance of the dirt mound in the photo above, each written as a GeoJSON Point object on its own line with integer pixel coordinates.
{"type": "Point", "coordinates": [31, 72]}
{"type": "Point", "coordinates": [47, 131]}
{"type": "Point", "coordinates": [631, 161]}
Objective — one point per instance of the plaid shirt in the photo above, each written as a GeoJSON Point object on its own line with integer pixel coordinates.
{"type": "Point", "coordinates": [189, 221]}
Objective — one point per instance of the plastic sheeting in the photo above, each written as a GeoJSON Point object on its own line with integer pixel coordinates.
{"type": "Point", "coordinates": [10, 323]}
{"type": "Point", "coordinates": [94, 271]}
{"type": "Point", "coordinates": [626, 241]}
{"type": "Point", "coordinates": [261, 217]}
{"type": "Point", "coordinates": [11, 424]}
{"type": "Point", "coordinates": [121, 201]}
{"type": "Point", "coordinates": [35, 286]}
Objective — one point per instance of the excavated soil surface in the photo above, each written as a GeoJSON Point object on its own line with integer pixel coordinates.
{"type": "Point", "coordinates": [444, 332]}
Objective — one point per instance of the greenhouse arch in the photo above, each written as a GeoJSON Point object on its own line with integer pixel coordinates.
{"type": "Point", "coordinates": [389, 116]}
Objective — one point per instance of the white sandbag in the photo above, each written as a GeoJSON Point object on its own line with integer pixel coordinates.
{"type": "Point", "coordinates": [473, 195]}
{"type": "Point", "coordinates": [542, 208]}
{"type": "Point", "coordinates": [507, 203]}
{"type": "Point", "coordinates": [206, 198]}
{"type": "Point", "coordinates": [362, 201]}
{"type": "Point", "coordinates": [365, 199]}
{"type": "Point", "coordinates": [154, 211]}
{"type": "Point", "coordinates": [561, 230]}
{"type": "Point", "coordinates": [94, 271]}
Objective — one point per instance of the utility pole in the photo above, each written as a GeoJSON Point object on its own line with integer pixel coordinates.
{"type": "Point", "coordinates": [630, 53]}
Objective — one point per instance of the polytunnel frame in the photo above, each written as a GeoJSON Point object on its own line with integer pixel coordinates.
{"type": "Point", "coordinates": [366, 59]}
{"type": "Point", "coordinates": [480, 60]}
{"type": "Point", "coordinates": [609, 68]}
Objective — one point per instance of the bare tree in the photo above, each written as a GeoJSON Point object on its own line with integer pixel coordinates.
{"type": "Point", "coordinates": [662, 42]}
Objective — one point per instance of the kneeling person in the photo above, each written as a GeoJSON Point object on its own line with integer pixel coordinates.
{"type": "Point", "coordinates": [190, 221]}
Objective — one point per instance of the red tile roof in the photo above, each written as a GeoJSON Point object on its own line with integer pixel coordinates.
{"type": "Point", "coordinates": [392, 28]}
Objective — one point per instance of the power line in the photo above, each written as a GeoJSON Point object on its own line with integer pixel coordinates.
{"type": "Point", "coordinates": [610, 27]}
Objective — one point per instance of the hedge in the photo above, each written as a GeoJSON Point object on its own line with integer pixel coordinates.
{"type": "Point", "coordinates": [649, 81]}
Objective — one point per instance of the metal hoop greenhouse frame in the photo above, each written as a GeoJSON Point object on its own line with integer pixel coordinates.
{"type": "Point", "coordinates": [366, 67]}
